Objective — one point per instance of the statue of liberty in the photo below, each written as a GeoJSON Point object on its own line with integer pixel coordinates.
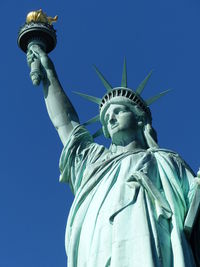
{"type": "Point", "coordinates": [131, 200]}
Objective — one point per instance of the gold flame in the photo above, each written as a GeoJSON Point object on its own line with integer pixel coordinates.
{"type": "Point", "coordinates": [40, 16]}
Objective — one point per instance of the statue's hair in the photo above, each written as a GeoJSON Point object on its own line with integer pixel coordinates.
{"type": "Point", "coordinates": [140, 115]}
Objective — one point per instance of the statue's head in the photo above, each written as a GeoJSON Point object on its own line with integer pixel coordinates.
{"type": "Point", "coordinates": [130, 102]}
{"type": "Point", "coordinates": [124, 124]}
{"type": "Point", "coordinates": [125, 115]}
{"type": "Point", "coordinates": [135, 115]}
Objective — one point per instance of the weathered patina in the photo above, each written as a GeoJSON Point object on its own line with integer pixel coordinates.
{"type": "Point", "coordinates": [131, 200]}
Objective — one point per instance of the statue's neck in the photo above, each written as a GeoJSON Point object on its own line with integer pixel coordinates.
{"type": "Point", "coordinates": [132, 146]}
{"type": "Point", "coordinates": [129, 141]}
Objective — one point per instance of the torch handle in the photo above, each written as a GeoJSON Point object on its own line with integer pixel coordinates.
{"type": "Point", "coordinates": [35, 72]}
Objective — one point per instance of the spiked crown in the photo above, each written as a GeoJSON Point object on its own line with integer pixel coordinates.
{"type": "Point", "coordinates": [120, 95]}
{"type": "Point", "coordinates": [125, 95]}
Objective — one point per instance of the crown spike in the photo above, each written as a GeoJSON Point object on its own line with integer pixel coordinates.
{"type": "Point", "coordinates": [102, 78]}
{"type": "Point", "coordinates": [92, 120]}
{"type": "Point", "coordinates": [124, 75]}
{"type": "Point", "coordinates": [142, 85]}
{"type": "Point", "coordinates": [89, 97]}
{"type": "Point", "coordinates": [156, 97]}
{"type": "Point", "coordinates": [98, 133]}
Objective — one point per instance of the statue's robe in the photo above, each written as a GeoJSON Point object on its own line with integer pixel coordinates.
{"type": "Point", "coordinates": [129, 206]}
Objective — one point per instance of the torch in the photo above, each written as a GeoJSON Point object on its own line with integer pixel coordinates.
{"type": "Point", "coordinates": [38, 30]}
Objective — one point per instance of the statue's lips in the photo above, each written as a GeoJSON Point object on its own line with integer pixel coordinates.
{"type": "Point", "coordinates": [114, 126]}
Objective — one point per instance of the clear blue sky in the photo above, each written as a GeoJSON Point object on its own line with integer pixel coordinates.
{"type": "Point", "coordinates": [159, 35]}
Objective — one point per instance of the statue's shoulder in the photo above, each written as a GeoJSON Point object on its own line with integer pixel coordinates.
{"type": "Point", "coordinates": [172, 156]}
{"type": "Point", "coordinates": [164, 152]}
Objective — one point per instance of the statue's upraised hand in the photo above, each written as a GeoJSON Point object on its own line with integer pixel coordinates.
{"type": "Point", "coordinates": [39, 63]}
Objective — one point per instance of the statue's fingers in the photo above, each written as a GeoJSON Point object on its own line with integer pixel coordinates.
{"type": "Point", "coordinates": [30, 58]}
{"type": "Point", "coordinates": [28, 53]}
{"type": "Point", "coordinates": [29, 62]}
{"type": "Point", "coordinates": [34, 47]}
{"type": "Point", "coordinates": [37, 50]}
{"type": "Point", "coordinates": [36, 54]}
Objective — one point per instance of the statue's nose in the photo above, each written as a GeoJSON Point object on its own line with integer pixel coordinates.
{"type": "Point", "coordinates": [112, 118]}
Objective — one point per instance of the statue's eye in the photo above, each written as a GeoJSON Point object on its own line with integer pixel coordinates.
{"type": "Point", "coordinates": [121, 110]}
{"type": "Point", "coordinates": [117, 111]}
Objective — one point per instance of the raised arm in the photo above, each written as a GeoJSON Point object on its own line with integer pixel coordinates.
{"type": "Point", "coordinates": [59, 107]}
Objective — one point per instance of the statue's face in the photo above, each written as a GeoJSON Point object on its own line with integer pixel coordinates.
{"type": "Point", "coordinates": [120, 121]}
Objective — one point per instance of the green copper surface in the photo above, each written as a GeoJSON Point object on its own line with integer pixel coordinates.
{"type": "Point", "coordinates": [92, 120]}
{"type": "Point", "coordinates": [97, 133]}
{"type": "Point", "coordinates": [103, 79]}
{"type": "Point", "coordinates": [131, 199]}
{"type": "Point", "coordinates": [124, 75]}
{"type": "Point", "coordinates": [156, 97]}
{"type": "Point", "coordinates": [89, 97]}
{"type": "Point", "coordinates": [142, 85]}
